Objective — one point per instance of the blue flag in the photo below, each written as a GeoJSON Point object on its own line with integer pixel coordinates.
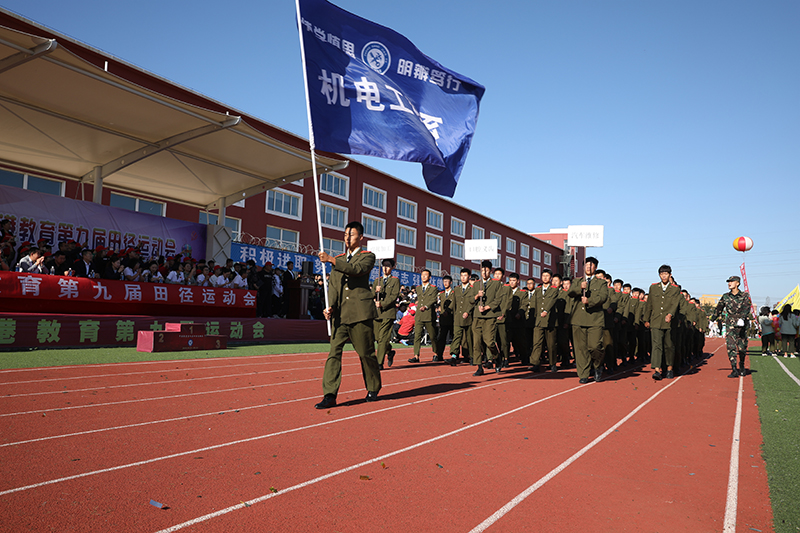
{"type": "Point", "coordinates": [372, 92]}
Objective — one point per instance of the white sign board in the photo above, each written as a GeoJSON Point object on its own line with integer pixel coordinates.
{"type": "Point", "coordinates": [585, 236]}
{"type": "Point", "coordinates": [480, 249]}
{"type": "Point", "coordinates": [383, 249]}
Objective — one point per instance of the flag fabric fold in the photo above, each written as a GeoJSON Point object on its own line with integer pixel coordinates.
{"type": "Point", "coordinates": [372, 92]}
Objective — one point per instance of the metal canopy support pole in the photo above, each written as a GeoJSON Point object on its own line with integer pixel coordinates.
{"type": "Point", "coordinates": [221, 216]}
{"type": "Point", "coordinates": [97, 195]}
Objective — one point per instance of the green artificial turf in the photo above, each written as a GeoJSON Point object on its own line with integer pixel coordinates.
{"type": "Point", "coordinates": [778, 398]}
{"type": "Point", "coordinates": [86, 356]}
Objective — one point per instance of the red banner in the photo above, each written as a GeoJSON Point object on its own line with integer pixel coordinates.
{"type": "Point", "coordinates": [37, 293]}
{"type": "Point", "coordinates": [29, 330]}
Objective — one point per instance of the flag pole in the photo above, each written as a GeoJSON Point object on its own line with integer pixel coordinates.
{"type": "Point", "coordinates": [313, 156]}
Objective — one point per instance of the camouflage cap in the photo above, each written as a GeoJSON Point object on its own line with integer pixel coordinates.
{"type": "Point", "coordinates": [734, 278]}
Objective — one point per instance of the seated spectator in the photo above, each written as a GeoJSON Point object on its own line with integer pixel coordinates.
{"type": "Point", "coordinates": [188, 273]}
{"type": "Point", "coordinates": [100, 261]}
{"type": "Point", "coordinates": [83, 267]}
{"type": "Point", "coordinates": [33, 263]}
{"type": "Point", "coordinates": [57, 264]}
{"type": "Point", "coordinates": [133, 271]}
{"type": "Point", "coordinates": [175, 274]}
{"type": "Point", "coordinates": [204, 278]}
{"type": "Point", "coordinates": [405, 327]}
{"type": "Point", "coordinates": [114, 269]}
{"type": "Point", "coordinates": [237, 281]}
{"type": "Point", "coordinates": [151, 274]}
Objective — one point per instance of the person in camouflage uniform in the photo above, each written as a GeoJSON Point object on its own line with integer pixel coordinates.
{"type": "Point", "coordinates": [736, 306]}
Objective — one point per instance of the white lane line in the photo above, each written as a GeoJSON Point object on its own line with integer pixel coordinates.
{"type": "Point", "coordinates": [269, 435]}
{"type": "Point", "coordinates": [219, 412]}
{"type": "Point", "coordinates": [162, 382]}
{"type": "Point", "coordinates": [144, 363]}
{"type": "Point", "coordinates": [265, 497]}
{"type": "Point", "coordinates": [553, 473]}
{"type": "Point", "coordinates": [155, 398]}
{"type": "Point", "coordinates": [166, 370]}
{"type": "Point", "coordinates": [788, 372]}
{"type": "Point", "coordinates": [731, 503]}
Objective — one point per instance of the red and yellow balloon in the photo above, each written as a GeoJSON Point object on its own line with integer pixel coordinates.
{"type": "Point", "coordinates": [742, 244]}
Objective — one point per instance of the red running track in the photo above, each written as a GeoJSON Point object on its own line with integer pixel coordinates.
{"type": "Point", "coordinates": [235, 445]}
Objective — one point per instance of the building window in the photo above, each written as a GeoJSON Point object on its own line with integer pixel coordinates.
{"type": "Point", "coordinates": [284, 239]}
{"type": "Point", "coordinates": [373, 227]}
{"type": "Point", "coordinates": [284, 204]}
{"type": "Point", "coordinates": [433, 244]}
{"type": "Point", "coordinates": [537, 271]}
{"type": "Point", "coordinates": [548, 241]}
{"type": "Point", "coordinates": [548, 258]}
{"type": "Point", "coordinates": [333, 247]}
{"type": "Point", "coordinates": [405, 262]}
{"type": "Point", "coordinates": [537, 255]}
{"type": "Point", "coordinates": [233, 223]}
{"type": "Point", "coordinates": [498, 239]}
{"type": "Point", "coordinates": [137, 204]}
{"type": "Point", "coordinates": [524, 250]}
{"type": "Point", "coordinates": [435, 219]}
{"type": "Point", "coordinates": [406, 209]}
{"type": "Point", "coordinates": [374, 198]}
{"type": "Point", "coordinates": [457, 249]}
{"type": "Point", "coordinates": [434, 266]}
{"type": "Point", "coordinates": [477, 232]}
{"type": "Point", "coordinates": [455, 273]}
{"type": "Point", "coordinates": [31, 183]}
{"type": "Point", "coordinates": [332, 216]}
{"type": "Point", "coordinates": [523, 269]}
{"type": "Point", "coordinates": [334, 185]}
{"type": "Point", "coordinates": [511, 246]}
{"type": "Point", "coordinates": [496, 261]}
{"type": "Point", "coordinates": [458, 227]}
{"type": "Point", "coordinates": [406, 236]}
{"type": "Point", "coordinates": [511, 265]}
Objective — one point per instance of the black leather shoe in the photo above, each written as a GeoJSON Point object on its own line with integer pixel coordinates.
{"type": "Point", "coordinates": [583, 380]}
{"type": "Point", "coordinates": [534, 368]}
{"type": "Point", "coordinates": [329, 400]}
{"type": "Point", "coordinates": [372, 396]}
{"type": "Point", "coordinates": [438, 358]}
{"type": "Point", "coordinates": [498, 368]}
{"type": "Point", "coordinates": [414, 359]}
{"type": "Point", "coordinates": [380, 366]}
{"type": "Point", "coordinates": [553, 368]}
{"type": "Point", "coordinates": [478, 372]}
{"type": "Point", "coordinates": [598, 374]}
{"type": "Point", "coordinates": [454, 361]}
{"type": "Point", "coordinates": [390, 356]}
{"type": "Point", "coordinates": [670, 374]}
{"type": "Point", "coordinates": [734, 374]}
{"type": "Point", "coordinates": [743, 372]}
{"type": "Point", "coordinates": [657, 376]}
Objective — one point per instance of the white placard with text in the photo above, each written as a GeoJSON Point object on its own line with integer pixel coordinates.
{"type": "Point", "coordinates": [382, 248]}
{"type": "Point", "coordinates": [480, 249]}
{"type": "Point", "coordinates": [585, 236]}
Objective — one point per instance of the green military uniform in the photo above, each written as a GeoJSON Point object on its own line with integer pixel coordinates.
{"type": "Point", "coordinates": [587, 324]}
{"type": "Point", "coordinates": [463, 302]}
{"type": "Point", "coordinates": [643, 336]}
{"type": "Point", "coordinates": [446, 307]}
{"type": "Point", "coordinates": [502, 331]}
{"type": "Point", "coordinates": [527, 307]}
{"type": "Point", "coordinates": [736, 308]}
{"type": "Point", "coordinates": [662, 301]}
{"type": "Point", "coordinates": [484, 324]}
{"type": "Point", "coordinates": [387, 313]}
{"type": "Point", "coordinates": [427, 297]}
{"type": "Point", "coordinates": [609, 341]}
{"type": "Point", "coordinates": [629, 327]}
{"type": "Point", "coordinates": [515, 323]}
{"type": "Point", "coordinates": [621, 327]}
{"type": "Point", "coordinates": [564, 309]}
{"type": "Point", "coordinates": [352, 312]}
{"type": "Point", "coordinates": [544, 330]}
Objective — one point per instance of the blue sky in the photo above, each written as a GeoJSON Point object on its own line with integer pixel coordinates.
{"type": "Point", "coordinates": [674, 124]}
